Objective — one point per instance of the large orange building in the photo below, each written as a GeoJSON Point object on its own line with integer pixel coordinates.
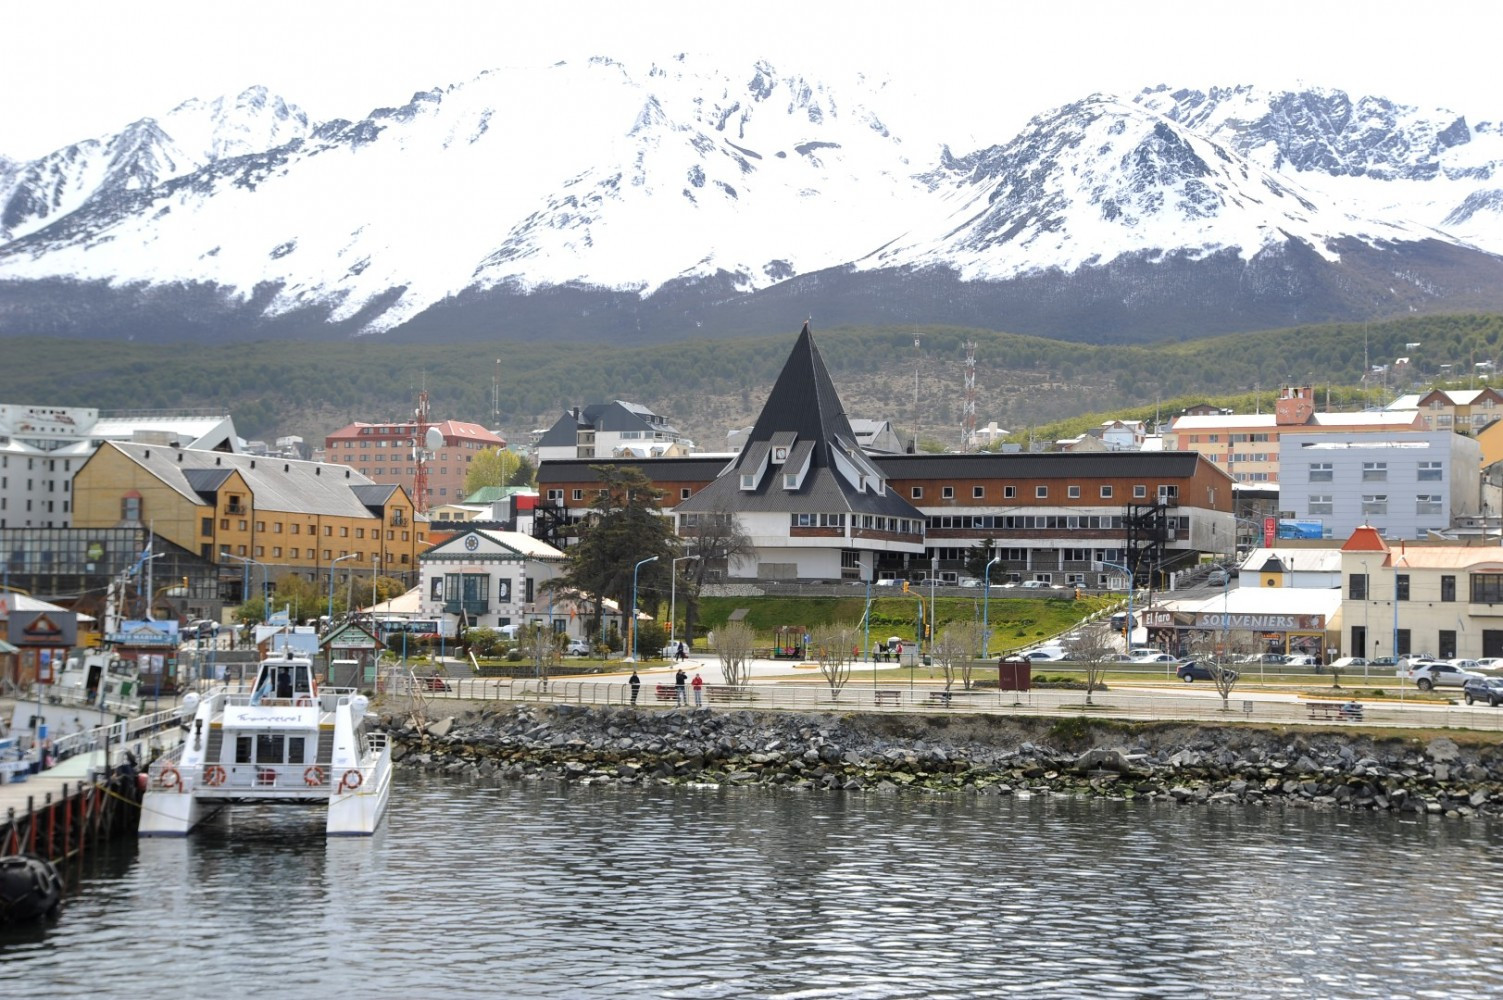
{"type": "Point", "coordinates": [384, 453]}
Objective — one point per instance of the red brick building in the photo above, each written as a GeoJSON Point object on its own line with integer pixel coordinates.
{"type": "Point", "coordinates": [385, 454]}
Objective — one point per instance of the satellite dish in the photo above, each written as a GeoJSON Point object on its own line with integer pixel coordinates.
{"type": "Point", "coordinates": [434, 440]}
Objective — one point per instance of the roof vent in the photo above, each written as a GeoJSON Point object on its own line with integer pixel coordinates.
{"type": "Point", "coordinates": [253, 463]}
{"type": "Point", "coordinates": [218, 460]}
{"type": "Point", "coordinates": [146, 455]}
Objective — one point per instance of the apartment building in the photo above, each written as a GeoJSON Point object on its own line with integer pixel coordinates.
{"type": "Point", "coordinates": [386, 453]}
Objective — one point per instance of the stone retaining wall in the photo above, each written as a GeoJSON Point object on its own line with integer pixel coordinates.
{"type": "Point", "coordinates": [988, 755]}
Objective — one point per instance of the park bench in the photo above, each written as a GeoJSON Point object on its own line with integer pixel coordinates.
{"type": "Point", "coordinates": [941, 697]}
{"type": "Point", "coordinates": [668, 692]}
{"type": "Point", "coordinates": [1335, 711]}
{"type": "Point", "coordinates": [888, 697]}
{"type": "Point", "coordinates": [725, 692]}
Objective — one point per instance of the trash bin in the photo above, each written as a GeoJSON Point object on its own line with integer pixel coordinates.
{"type": "Point", "coordinates": [1014, 673]}
{"type": "Point", "coordinates": [928, 662]}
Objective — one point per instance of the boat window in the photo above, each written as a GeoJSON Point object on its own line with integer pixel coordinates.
{"type": "Point", "coordinates": [243, 749]}
{"type": "Point", "coordinates": [270, 748]}
{"type": "Point", "coordinates": [295, 752]}
{"type": "Point", "coordinates": [300, 678]}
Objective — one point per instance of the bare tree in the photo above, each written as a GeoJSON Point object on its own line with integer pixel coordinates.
{"type": "Point", "coordinates": [1214, 651]}
{"type": "Point", "coordinates": [955, 649]}
{"type": "Point", "coordinates": [834, 649]}
{"type": "Point", "coordinates": [733, 644]}
{"type": "Point", "coordinates": [542, 646]}
{"type": "Point", "coordinates": [1093, 650]}
{"type": "Point", "coordinates": [716, 539]}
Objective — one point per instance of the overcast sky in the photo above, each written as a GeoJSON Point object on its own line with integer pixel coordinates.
{"type": "Point", "coordinates": [74, 69]}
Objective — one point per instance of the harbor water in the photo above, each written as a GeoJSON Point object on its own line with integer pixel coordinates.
{"type": "Point", "coordinates": [533, 889]}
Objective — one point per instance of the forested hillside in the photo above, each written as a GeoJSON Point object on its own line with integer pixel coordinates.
{"type": "Point", "coordinates": [707, 388]}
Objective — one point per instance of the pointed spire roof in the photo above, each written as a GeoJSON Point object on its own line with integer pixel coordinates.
{"type": "Point", "coordinates": [803, 400]}
{"type": "Point", "coordinates": [1365, 538]}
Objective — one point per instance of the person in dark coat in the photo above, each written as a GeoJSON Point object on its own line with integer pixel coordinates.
{"type": "Point", "coordinates": [636, 685]}
{"type": "Point", "coordinates": [679, 681]}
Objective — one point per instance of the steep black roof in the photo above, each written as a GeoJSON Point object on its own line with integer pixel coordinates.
{"type": "Point", "coordinates": [804, 421]}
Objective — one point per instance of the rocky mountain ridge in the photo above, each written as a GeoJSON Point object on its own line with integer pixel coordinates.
{"type": "Point", "coordinates": [601, 201]}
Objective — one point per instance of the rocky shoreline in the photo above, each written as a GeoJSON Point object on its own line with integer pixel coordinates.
{"type": "Point", "coordinates": [974, 754]}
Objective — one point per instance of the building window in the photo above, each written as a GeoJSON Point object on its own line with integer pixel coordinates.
{"type": "Point", "coordinates": [1041, 492]}
{"type": "Point", "coordinates": [1357, 587]}
{"type": "Point", "coordinates": [978, 492]}
{"type": "Point", "coordinates": [1073, 492]}
{"type": "Point", "coordinates": [1320, 504]}
{"type": "Point", "coordinates": [916, 493]}
{"type": "Point", "coordinates": [130, 508]}
{"type": "Point", "coordinates": [1448, 588]}
{"type": "Point", "coordinates": [1008, 492]}
{"type": "Point", "coordinates": [947, 493]}
{"type": "Point", "coordinates": [1375, 503]}
{"type": "Point", "coordinates": [1429, 472]}
{"type": "Point", "coordinates": [685, 493]}
{"type": "Point", "coordinates": [1487, 588]}
{"type": "Point", "coordinates": [1375, 472]}
{"type": "Point", "coordinates": [1139, 491]}
{"type": "Point", "coordinates": [1403, 640]}
{"type": "Point", "coordinates": [556, 495]}
{"type": "Point", "coordinates": [1401, 587]}
{"type": "Point", "coordinates": [1320, 472]}
{"type": "Point", "coordinates": [1427, 503]}
{"type": "Point", "coordinates": [1106, 492]}
{"type": "Point", "coordinates": [577, 495]}
{"type": "Point", "coordinates": [206, 526]}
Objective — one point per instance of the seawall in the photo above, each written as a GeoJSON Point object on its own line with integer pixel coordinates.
{"type": "Point", "coordinates": [972, 754]}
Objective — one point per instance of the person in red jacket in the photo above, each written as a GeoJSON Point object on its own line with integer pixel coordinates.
{"type": "Point", "coordinates": [699, 686]}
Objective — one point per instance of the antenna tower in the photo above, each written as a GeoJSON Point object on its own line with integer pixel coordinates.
{"type": "Point", "coordinates": [420, 453]}
{"type": "Point", "coordinates": [496, 397]}
{"type": "Point", "coordinates": [968, 411]}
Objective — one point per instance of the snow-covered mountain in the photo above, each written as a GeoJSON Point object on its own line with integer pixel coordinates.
{"type": "Point", "coordinates": [596, 200]}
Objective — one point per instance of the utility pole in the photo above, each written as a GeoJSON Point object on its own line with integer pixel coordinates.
{"type": "Point", "coordinates": [968, 411]}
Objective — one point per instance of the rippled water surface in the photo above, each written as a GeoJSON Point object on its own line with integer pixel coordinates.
{"type": "Point", "coordinates": [529, 890]}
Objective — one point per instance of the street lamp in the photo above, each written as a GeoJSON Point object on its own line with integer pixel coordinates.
{"type": "Point", "coordinates": [248, 562]}
{"type": "Point", "coordinates": [986, 596]}
{"type": "Point", "coordinates": [634, 569]}
{"type": "Point", "coordinates": [672, 598]}
{"type": "Point", "coordinates": [341, 559]}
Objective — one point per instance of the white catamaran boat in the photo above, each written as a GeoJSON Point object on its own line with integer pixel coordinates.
{"type": "Point", "coordinates": [287, 741]}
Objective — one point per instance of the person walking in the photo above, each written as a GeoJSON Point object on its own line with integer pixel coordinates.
{"type": "Point", "coordinates": [679, 680]}
{"type": "Point", "coordinates": [683, 651]}
{"type": "Point", "coordinates": [636, 684]}
{"type": "Point", "coordinates": [699, 685]}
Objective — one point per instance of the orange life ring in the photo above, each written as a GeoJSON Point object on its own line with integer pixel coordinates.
{"type": "Point", "coordinates": [351, 780]}
{"type": "Point", "coordinates": [170, 778]}
{"type": "Point", "coordinates": [313, 775]}
{"type": "Point", "coordinates": [214, 775]}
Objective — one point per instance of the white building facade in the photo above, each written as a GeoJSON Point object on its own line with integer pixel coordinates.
{"type": "Point", "coordinates": [1404, 483]}
{"type": "Point", "coordinates": [487, 579]}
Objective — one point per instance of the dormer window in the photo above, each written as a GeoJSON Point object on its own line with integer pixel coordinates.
{"type": "Point", "coordinates": [780, 454]}
{"type": "Point", "coordinates": [748, 481]}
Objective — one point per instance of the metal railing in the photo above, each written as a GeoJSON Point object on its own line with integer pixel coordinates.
{"type": "Point", "coordinates": [904, 697]}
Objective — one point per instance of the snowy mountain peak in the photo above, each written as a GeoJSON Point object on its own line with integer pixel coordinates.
{"type": "Point", "coordinates": [681, 177]}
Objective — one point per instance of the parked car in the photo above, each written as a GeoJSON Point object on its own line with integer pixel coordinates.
{"type": "Point", "coordinates": [1154, 657]}
{"type": "Point", "coordinates": [1489, 664]}
{"type": "Point", "coordinates": [1217, 578]}
{"type": "Point", "coordinates": [1348, 663]}
{"type": "Point", "coordinates": [432, 683]}
{"type": "Point", "coordinates": [1438, 673]}
{"type": "Point", "coordinates": [577, 647]}
{"type": "Point", "coordinates": [1461, 664]}
{"type": "Point", "coordinates": [1488, 689]}
{"type": "Point", "coordinates": [969, 581]}
{"type": "Point", "coordinates": [1194, 670]}
{"type": "Point", "coordinates": [1048, 653]}
{"type": "Point", "coordinates": [1382, 661]}
{"type": "Point", "coordinates": [1300, 660]}
{"type": "Point", "coordinates": [1038, 585]}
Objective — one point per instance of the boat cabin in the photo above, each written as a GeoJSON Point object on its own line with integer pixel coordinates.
{"type": "Point", "coordinates": [284, 682]}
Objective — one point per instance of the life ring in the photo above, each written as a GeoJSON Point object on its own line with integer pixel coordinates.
{"type": "Point", "coordinates": [169, 778]}
{"type": "Point", "coordinates": [313, 776]}
{"type": "Point", "coordinates": [214, 775]}
{"type": "Point", "coordinates": [351, 780]}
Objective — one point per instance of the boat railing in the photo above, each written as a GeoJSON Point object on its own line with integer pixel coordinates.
{"type": "Point", "coordinates": [114, 735]}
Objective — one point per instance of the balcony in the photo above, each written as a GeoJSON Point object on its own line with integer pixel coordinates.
{"type": "Point", "coordinates": [470, 607]}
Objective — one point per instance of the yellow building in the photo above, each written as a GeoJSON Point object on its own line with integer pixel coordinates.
{"type": "Point", "coordinates": [271, 516]}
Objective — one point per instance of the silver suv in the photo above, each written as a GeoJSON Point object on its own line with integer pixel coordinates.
{"type": "Point", "coordinates": [1438, 673]}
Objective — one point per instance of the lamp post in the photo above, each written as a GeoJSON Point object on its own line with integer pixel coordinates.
{"type": "Point", "coordinates": [986, 596]}
{"type": "Point", "coordinates": [341, 559]}
{"type": "Point", "coordinates": [634, 570]}
{"type": "Point", "coordinates": [672, 598]}
{"type": "Point", "coordinates": [248, 563]}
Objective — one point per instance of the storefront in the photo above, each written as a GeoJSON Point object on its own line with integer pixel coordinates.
{"type": "Point", "coordinates": [1250, 621]}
